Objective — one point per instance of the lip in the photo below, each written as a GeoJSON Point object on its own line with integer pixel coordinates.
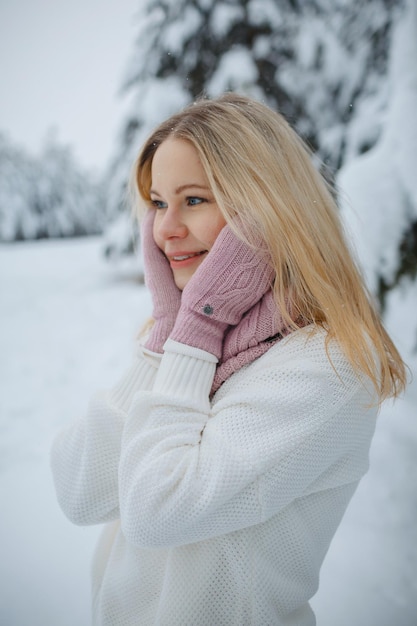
{"type": "Point", "coordinates": [192, 257]}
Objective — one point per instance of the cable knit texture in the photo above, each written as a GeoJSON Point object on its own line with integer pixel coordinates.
{"type": "Point", "coordinates": [256, 333]}
{"type": "Point", "coordinates": [222, 511]}
{"type": "Point", "coordinates": [230, 281]}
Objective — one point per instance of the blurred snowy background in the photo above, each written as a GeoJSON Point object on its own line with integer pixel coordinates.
{"type": "Point", "coordinates": [81, 85]}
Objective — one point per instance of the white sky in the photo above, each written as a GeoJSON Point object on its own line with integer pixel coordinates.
{"type": "Point", "coordinates": [61, 67]}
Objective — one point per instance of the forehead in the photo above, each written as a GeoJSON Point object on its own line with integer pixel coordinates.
{"type": "Point", "coordinates": [175, 156]}
{"type": "Point", "coordinates": [176, 168]}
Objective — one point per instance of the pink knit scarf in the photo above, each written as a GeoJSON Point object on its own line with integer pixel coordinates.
{"type": "Point", "coordinates": [260, 329]}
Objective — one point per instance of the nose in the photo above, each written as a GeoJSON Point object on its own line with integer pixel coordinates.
{"type": "Point", "coordinates": [171, 224]}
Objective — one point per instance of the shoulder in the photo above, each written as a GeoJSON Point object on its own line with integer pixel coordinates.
{"type": "Point", "coordinates": [301, 396]}
{"type": "Point", "coordinates": [304, 364]}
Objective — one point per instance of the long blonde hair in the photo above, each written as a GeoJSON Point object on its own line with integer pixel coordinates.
{"type": "Point", "coordinates": [258, 168]}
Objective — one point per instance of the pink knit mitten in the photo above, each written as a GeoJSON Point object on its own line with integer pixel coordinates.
{"type": "Point", "coordinates": [228, 283]}
{"type": "Point", "coordinates": [166, 296]}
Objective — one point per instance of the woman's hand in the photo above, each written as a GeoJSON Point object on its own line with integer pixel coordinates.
{"type": "Point", "coordinates": [166, 296]}
{"type": "Point", "coordinates": [232, 278]}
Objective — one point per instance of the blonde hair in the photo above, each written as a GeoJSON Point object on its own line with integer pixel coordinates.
{"type": "Point", "coordinates": [259, 169]}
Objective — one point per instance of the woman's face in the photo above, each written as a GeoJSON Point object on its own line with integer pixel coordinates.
{"type": "Point", "coordinates": [187, 220]}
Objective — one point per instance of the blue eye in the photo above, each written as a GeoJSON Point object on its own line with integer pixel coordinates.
{"type": "Point", "coordinates": [193, 200]}
{"type": "Point", "coordinates": [158, 204]}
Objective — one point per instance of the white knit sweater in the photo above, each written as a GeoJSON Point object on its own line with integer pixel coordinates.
{"type": "Point", "coordinates": [220, 514]}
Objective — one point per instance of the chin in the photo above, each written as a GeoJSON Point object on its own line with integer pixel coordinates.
{"type": "Point", "coordinates": [182, 277]}
{"type": "Point", "coordinates": [181, 281]}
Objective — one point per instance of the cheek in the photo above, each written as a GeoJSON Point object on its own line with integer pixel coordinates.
{"type": "Point", "coordinates": [214, 230]}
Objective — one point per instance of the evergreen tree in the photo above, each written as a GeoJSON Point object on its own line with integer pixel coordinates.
{"type": "Point", "coordinates": [321, 63]}
{"type": "Point", "coordinates": [381, 185]}
{"type": "Point", "coordinates": [48, 196]}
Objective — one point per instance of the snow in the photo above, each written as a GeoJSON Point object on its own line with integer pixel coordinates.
{"type": "Point", "coordinates": [380, 186]}
{"type": "Point", "coordinates": [178, 31]}
{"type": "Point", "coordinates": [322, 64]}
{"type": "Point", "coordinates": [264, 12]}
{"type": "Point", "coordinates": [370, 574]}
{"type": "Point", "coordinates": [236, 71]}
{"type": "Point", "coordinates": [68, 324]}
{"type": "Point", "coordinates": [47, 196]}
{"type": "Point", "coordinates": [159, 99]}
{"type": "Point", "coordinates": [223, 17]}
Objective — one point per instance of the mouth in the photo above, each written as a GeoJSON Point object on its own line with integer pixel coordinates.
{"type": "Point", "coordinates": [183, 257]}
{"type": "Point", "coordinates": [182, 260]}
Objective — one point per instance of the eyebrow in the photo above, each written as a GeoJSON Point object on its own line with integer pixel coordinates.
{"type": "Point", "coordinates": [183, 187]}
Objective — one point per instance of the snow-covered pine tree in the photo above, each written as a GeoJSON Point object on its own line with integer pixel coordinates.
{"type": "Point", "coordinates": [322, 63]}
{"type": "Point", "coordinates": [379, 200]}
{"type": "Point", "coordinates": [319, 62]}
{"type": "Point", "coordinates": [46, 196]}
{"type": "Point", "coordinates": [16, 189]}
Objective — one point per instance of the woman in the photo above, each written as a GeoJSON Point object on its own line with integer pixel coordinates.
{"type": "Point", "coordinates": [224, 460]}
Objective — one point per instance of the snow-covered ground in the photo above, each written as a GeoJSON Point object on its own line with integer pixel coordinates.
{"type": "Point", "coordinates": [67, 328]}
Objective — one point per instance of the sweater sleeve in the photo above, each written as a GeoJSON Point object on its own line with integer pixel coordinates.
{"type": "Point", "coordinates": [194, 471]}
{"type": "Point", "coordinates": [85, 456]}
